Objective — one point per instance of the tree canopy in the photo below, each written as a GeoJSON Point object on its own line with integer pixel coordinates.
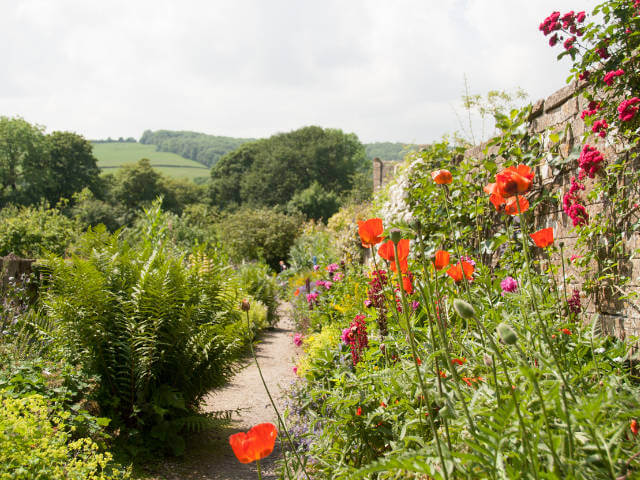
{"type": "Point", "coordinates": [272, 171]}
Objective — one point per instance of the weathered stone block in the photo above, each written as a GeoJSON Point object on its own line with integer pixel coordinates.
{"type": "Point", "coordinates": [558, 98]}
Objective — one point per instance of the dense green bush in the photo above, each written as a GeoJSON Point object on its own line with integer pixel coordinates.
{"type": "Point", "coordinates": [159, 331]}
{"type": "Point", "coordinates": [37, 442]}
{"type": "Point", "coordinates": [33, 231]}
{"type": "Point", "coordinates": [259, 282]}
{"type": "Point", "coordinates": [259, 234]}
{"type": "Point", "coordinates": [314, 242]}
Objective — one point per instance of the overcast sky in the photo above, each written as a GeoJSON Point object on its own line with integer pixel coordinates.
{"type": "Point", "coordinates": [385, 70]}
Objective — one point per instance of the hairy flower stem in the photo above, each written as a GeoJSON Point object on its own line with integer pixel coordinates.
{"type": "Point", "coordinates": [536, 386]}
{"type": "Point", "coordinates": [259, 471]}
{"type": "Point", "coordinates": [273, 404]}
{"type": "Point", "coordinates": [436, 366]}
{"type": "Point", "coordinates": [555, 283]}
{"type": "Point", "coordinates": [569, 432]}
{"type": "Point", "coordinates": [465, 281]}
{"type": "Point", "coordinates": [542, 322]}
{"type": "Point", "coordinates": [564, 276]}
{"type": "Point", "coordinates": [452, 369]}
{"type": "Point", "coordinates": [514, 395]}
{"type": "Point", "coordinates": [412, 342]}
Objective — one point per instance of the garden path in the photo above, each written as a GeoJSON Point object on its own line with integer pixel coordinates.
{"type": "Point", "coordinates": [211, 457]}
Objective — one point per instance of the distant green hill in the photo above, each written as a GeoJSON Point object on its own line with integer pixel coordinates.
{"type": "Point", "coordinates": [200, 147]}
{"type": "Point", "coordinates": [112, 155]}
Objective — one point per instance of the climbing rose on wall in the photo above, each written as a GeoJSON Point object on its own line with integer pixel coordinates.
{"type": "Point", "coordinates": [590, 160]}
{"type": "Point", "coordinates": [627, 109]}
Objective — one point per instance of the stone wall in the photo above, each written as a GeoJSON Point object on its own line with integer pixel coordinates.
{"type": "Point", "coordinates": [383, 172]}
{"type": "Point", "coordinates": [560, 112]}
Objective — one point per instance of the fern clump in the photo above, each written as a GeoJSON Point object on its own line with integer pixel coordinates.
{"type": "Point", "coordinates": [159, 330]}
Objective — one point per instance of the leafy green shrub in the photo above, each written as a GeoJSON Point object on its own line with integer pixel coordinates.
{"type": "Point", "coordinates": [259, 234]}
{"type": "Point", "coordinates": [158, 331]}
{"type": "Point", "coordinates": [33, 231]}
{"type": "Point", "coordinates": [261, 284]}
{"type": "Point", "coordinates": [314, 202]}
{"type": "Point", "coordinates": [314, 242]}
{"type": "Point", "coordinates": [37, 442]}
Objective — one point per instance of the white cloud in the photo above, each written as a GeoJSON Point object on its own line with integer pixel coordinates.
{"type": "Point", "coordinates": [384, 70]}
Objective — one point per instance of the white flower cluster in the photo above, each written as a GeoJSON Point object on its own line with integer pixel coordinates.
{"type": "Point", "coordinates": [396, 209]}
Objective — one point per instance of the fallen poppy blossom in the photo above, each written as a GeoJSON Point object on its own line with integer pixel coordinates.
{"type": "Point", "coordinates": [543, 238]}
{"type": "Point", "coordinates": [442, 259]}
{"type": "Point", "coordinates": [370, 232]}
{"type": "Point", "coordinates": [442, 177]}
{"type": "Point", "coordinates": [254, 445]}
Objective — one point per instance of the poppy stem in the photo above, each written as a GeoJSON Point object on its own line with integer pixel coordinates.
{"type": "Point", "coordinates": [412, 342]}
{"type": "Point", "coordinates": [273, 404]}
{"type": "Point", "coordinates": [259, 471]}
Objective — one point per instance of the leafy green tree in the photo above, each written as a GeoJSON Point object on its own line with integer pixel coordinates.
{"type": "Point", "coordinates": [71, 165]}
{"type": "Point", "coordinates": [315, 202]}
{"type": "Point", "coordinates": [270, 172]}
{"type": "Point", "coordinates": [22, 148]}
{"type": "Point", "coordinates": [137, 184]}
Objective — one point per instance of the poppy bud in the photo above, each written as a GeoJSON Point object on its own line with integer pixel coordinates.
{"type": "Point", "coordinates": [245, 306]}
{"type": "Point", "coordinates": [382, 347]}
{"type": "Point", "coordinates": [464, 309]}
{"type": "Point", "coordinates": [488, 361]}
{"type": "Point", "coordinates": [395, 235]}
{"type": "Point", "coordinates": [507, 334]}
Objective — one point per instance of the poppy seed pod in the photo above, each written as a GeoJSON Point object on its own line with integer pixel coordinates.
{"type": "Point", "coordinates": [507, 334]}
{"type": "Point", "coordinates": [464, 309]}
{"type": "Point", "coordinates": [245, 306]}
{"type": "Point", "coordinates": [395, 234]}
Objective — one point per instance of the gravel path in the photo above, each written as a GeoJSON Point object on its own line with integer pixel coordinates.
{"type": "Point", "coordinates": [211, 457]}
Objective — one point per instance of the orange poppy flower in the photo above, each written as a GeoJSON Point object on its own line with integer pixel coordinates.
{"type": "Point", "coordinates": [511, 208]}
{"type": "Point", "coordinates": [513, 180]}
{"type": "Point", "coordinates": [634, 427]}
{"type": "Point", "coordinates": [254, 445]}
{"type": "Point", "coordinates": [442, 259]}
{"type": "Point", "coordinates": [455, 271]}
{"type": "Point", "coordinates": [543, 238]}
{"type": "Point", "coordinates": [494, 196]}
{"type": "Point", "coordinates": [407, 285]}
{"type": "Point", "coordinates": [386, 251]}
{"type": "Point", "coordinates": [370, 232]}
{"type": "Point", "coordinates": [442, 177]}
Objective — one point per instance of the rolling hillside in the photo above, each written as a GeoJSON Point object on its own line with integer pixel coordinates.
{"type": "Point", "coordinates": [112, 155]}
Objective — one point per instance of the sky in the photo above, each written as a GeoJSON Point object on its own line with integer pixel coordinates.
{"type": "Point", "coordinates": [384, 70]}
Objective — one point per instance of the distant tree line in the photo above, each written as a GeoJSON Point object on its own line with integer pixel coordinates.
{"type": "Point", "coordinates": [200, 147]}
{"type": "Point", "coordinates": [388, 150]}
{"type": "Point", "coordinates": [119, 140]}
